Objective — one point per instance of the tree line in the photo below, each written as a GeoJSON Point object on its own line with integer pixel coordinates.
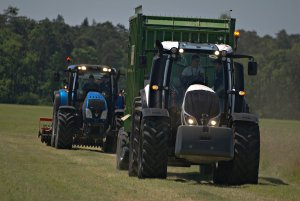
{"type": "Point", "coordinates": [31, 51]}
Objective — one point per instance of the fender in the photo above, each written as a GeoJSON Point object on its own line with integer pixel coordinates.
{"type": "Point", "coordinates": [244, 117]}
{"type": "Point", "coordinates": [155, 112]}
{"type": "Point", "coordinates": [60, 98]}
{"type": "Point", "coordinates": [63, 97]}
{"type": "Point", "coordinates": [144, 96]}
{"type": "Point", "coordinates": [69, 109]}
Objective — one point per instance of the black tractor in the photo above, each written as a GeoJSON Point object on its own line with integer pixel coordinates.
{"type": "Point", "coordinates": [192, 111]}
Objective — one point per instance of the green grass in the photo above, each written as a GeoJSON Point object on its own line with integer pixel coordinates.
{"type": "Point", "coordinates": [29, 170]}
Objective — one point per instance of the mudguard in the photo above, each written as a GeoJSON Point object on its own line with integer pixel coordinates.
{"type": "Point", "coordinates": [244, 117]}
{"type": "Point", "coordinates": [60, 98]}
{"type": "Point", "coordinates": [63, 95]}
{"type": "Point", "coordinates": [155, 112]}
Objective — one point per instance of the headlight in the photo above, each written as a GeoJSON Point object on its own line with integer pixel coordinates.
{"type": "Point", "coordinates": [88, 113]}
{"type": "Point", "coordinates": [214, 121]}
{"type": "Point", "coordinates": [190, 120]}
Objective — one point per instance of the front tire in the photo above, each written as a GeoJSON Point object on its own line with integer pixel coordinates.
{"type": "Point", "coordinates": [153, 149]}
{"type": "Point", "coordinates": [243, 169]}
{"type": "Point", "coordinates": [65, 130]}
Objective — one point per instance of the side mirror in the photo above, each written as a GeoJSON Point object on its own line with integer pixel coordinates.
{"type": "Point", "coordinates": [142, 61]}
{"type": "Point", "coordinates": [252, 68]}
{"type": "Point", "coordinates": [56, 77]}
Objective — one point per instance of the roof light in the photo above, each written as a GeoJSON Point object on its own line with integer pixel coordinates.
{"type": "Point", "coordinates": [217, 53]}
{"type": "Point", "coordinates": [81, 67]}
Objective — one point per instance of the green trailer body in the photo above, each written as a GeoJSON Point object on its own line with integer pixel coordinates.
{"type": "Point", "coordinates": [145, 30]}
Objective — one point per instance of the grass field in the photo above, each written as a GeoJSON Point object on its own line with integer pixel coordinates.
{"type": "Point", "coordinates": [29, 170]}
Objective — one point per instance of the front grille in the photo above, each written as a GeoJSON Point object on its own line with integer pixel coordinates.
{"type": "Point", "coordinates": [200, 102]}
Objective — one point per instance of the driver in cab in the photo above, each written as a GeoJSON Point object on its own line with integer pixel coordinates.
{"type": "Point", "coordinates": [91, 85]}
{"type": "Point", "coordinates": [193, 73]}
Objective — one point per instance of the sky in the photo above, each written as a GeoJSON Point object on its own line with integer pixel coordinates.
{"type": "Point", "coordinates": [263, 16]}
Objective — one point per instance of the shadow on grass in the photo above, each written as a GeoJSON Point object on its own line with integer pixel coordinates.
{"type": "Point", "coordinates": [195, 177]}
{"type": "Point", "coordinates": [188, 177]}
{"type": "Point", "coordinates": [271, 181]}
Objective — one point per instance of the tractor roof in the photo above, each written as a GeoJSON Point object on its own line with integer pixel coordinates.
{"type": "Point", "coordinates": [167, 45]}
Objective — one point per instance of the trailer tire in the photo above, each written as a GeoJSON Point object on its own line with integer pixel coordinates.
{"type": "Point", "coordinates": [153, 150]}
{"type": "Point", "coordinates": [243, 169]}
{"type": "Point", "coordinates": [122, 150]}
{"type": "Point", "coordinates": [66, 127]}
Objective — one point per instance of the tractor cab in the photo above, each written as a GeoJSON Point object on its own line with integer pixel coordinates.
{"type": "Point", "coordinates": [210, 67]}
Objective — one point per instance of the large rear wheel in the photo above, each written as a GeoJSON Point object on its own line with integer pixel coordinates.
{"type": "Point", "coordinates": [134, 137]}
{"type": "Point", "coordinates": [122, 152]}
{"type": "Point", "coordinates": [66, 127]}
{"type": "Point", "coordinates": [243, 169]}
{"type": "Point", "coordinates": [54, 127]}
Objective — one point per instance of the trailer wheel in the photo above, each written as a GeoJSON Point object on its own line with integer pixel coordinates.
{"type": "Point", "coordinates": [65, 130]}
{"type": "Point", "coordinates": [122, 150]}
{"type": "Point", "coordinates": [134, 138]}
{"type": "Point", "coordinates": [153, 149]}
{"type": "Point", "coordinates": [244, 167]}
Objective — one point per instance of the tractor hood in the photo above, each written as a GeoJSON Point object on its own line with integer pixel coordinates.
{"type": "Point", "coordinates": [199, 102]}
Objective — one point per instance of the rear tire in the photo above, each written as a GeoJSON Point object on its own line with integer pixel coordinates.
{"type": "Point", "coordinates": [122, 150]}
{"type": "Point", "coordinates": [54, 127]}
{"type": "Point", "coordinates": [243, 169]}
{"type": "Point", "coordinates": [66, 127]}
{"type": "Point", "coordinates": [134, 137]}
{"type": "Point", "coordinates": [153, 150]}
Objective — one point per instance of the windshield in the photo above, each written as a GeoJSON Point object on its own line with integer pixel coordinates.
{"type": "Point", "coordinates": [93, 80]}
{"type": "Point", "coordinates": [191, 68]}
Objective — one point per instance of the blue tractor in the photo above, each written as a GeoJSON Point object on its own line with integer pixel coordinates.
{"type": "Point", "coordinates": [87, 111]}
